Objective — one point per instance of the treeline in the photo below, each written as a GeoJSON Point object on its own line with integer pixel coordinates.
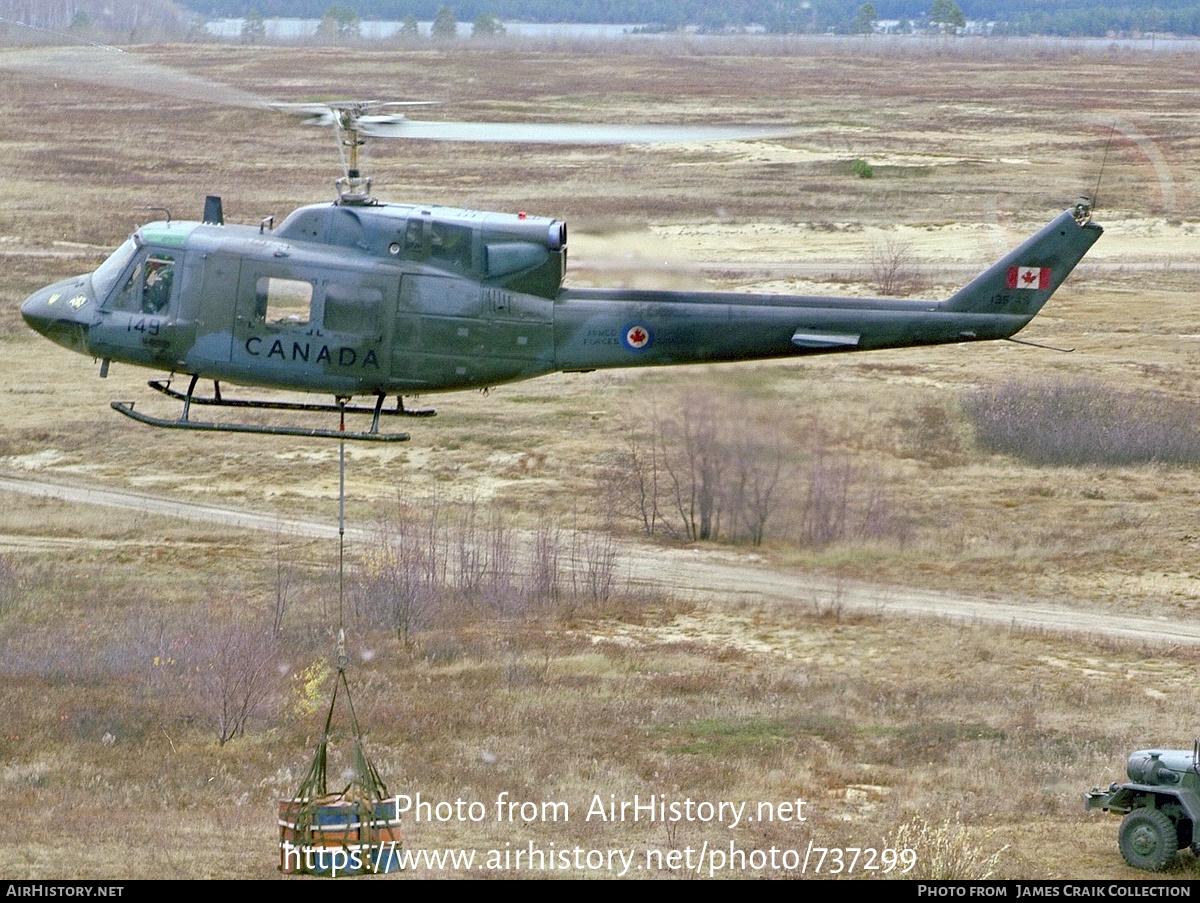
{"type": "Point", "coordinates": [1049, 17]}
{"type": "Point", "coordinates": [1103, 21]}
{"type": "Point", "coordinates": [779, 17]}
{"type": "Point", "coordinates": [143, 19]}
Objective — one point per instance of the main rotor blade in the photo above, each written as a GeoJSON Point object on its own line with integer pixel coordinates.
{"type": "Point", "coordinates": [114, 68]}
{"type": "Point", "coordinates": [563, 133]}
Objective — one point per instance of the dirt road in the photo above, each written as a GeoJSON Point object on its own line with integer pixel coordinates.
{"type": "Point", "coordinates": [707, 575]}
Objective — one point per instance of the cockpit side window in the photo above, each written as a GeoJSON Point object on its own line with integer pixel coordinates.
{"type": "Point", "coordinates": [156, 287]}
{"type": "Point", "coordinates": [129, 296]}
{"type": "Point", "coordinates": [148, 287]}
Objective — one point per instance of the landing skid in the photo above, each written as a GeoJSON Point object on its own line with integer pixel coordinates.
{"type": "Point", "coordinates": [341, 408]}
{"type": "Point", "coordinates": [126, 408]}
{"type": "Point", "coordinates": [164, 386]}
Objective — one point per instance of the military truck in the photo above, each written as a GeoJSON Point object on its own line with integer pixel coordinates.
{"type": "Point", "coordinates": [1160, 802]}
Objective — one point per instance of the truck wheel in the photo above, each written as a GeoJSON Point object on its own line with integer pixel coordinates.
{"type": "Point", "coordinates": [1147, 839]}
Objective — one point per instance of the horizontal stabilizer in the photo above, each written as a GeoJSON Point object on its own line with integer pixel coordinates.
{"type": "Point", "coordinates": [824, 339]}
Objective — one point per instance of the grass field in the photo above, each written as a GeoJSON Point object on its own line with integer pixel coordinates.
{"type": "Point", "coordinates": [122, 632]}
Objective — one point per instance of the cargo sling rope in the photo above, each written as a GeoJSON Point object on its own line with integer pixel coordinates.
{"type": "Point", "coordinates": [366, 784]}
{"type": "Point", "coordinates": [366, 791]}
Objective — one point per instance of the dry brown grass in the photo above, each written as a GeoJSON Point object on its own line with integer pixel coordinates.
{"type": "Point", "coordinates": [987, 736]}
{"type": "Point", "coordinates": [993, 730]}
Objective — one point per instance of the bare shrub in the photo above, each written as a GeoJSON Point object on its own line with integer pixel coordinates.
{"type": "Point", "coordinates": [12, 579]}
{"type": "Point", "coordinates": [63, 654]}
{"type": "Point", "coordinates": [1078, 422]}
{"type": "Point", "coordinates": [709, 472]}
{"type": "Point", "coordinates": [593, 567]}
{"type": "Point", "coordinates": [402, 577]}
{"type": "Point", "coordinates": [235, 667]}
{"type": "Point", "coordinates": [428, 569]}
{"type": "Point", "coordinates": [928, 433]}
{"type": "Point", "coordinates": [943, 852]}
{"type": "Point", "coordinates": [895, 269]}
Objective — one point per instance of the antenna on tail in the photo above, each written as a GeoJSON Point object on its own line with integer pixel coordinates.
{"type": "Point", "coordinates": [1087, 206]}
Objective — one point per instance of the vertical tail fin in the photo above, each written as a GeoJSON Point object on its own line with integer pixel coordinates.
{"type": "Point", "coordinates": [1024, 279]}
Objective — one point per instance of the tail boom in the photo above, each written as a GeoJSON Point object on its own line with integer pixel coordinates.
{"type": "Point", "coordinates": [596, 328]}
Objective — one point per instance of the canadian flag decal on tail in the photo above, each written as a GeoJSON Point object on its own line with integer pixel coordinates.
{"type": "Point", "coordinates": [1029, 277]}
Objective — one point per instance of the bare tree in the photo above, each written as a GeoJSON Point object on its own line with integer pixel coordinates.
{"type": "Point", "coordinates": [754, 488]}
{"type": "Point", "coordinates": [285, 579]}
{"type": "Point", "coordinates": [701, 471]}
{"type": "Point", "coordinates": [826, 505]}
{"type": "Point", "coordinates": [594, 566]}
{"type": "Point", "coordinates": [695, 464]}
{"type": "Point", "coordinates": [501, 592]}
{"type": "Point", "coordinates": [134, 19]}
{"type": "Point", "coordinates": [633, 482]}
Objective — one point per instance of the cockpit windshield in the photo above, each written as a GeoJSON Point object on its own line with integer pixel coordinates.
{"type": "Point", "coordinates": [104, 279]}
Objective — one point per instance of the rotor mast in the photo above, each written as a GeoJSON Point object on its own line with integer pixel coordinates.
{"type": "Point", "coordinates": [353, 188]}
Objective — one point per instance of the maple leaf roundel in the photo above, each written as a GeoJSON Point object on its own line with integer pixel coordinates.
{"type": "Point", "coordinates": [636, 337]}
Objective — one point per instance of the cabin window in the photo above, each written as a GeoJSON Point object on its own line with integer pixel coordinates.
{"type": "Point", "coordinates": [414, 239]}
{"type": "Point", "coordinates": [346, 229]}
{"type": "Point", "coordinates": [286, 302]}
{"type": "Point", "coordinates": [451, 244]}
{"type": "Point", "coordinates": [352, 308]}
{"type": "Point", "coordinates": [308, 225]}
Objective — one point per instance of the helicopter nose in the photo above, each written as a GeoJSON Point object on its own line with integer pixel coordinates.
{"type": "Point", "coordinates": [59, 313]}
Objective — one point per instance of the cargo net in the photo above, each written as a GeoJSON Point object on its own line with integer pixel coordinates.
{"type": "Point", "coordinates": [352, 832]}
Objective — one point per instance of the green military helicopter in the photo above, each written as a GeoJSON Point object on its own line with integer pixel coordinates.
{"type": "Point", "coordinates": [362, 298]}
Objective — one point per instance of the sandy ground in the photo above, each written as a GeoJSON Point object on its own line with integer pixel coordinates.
{"type": "Point", "coordinates": [946, 251]}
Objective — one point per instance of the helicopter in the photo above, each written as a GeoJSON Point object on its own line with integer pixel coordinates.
{"type": "Point", "coordinates": [362, 298]}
